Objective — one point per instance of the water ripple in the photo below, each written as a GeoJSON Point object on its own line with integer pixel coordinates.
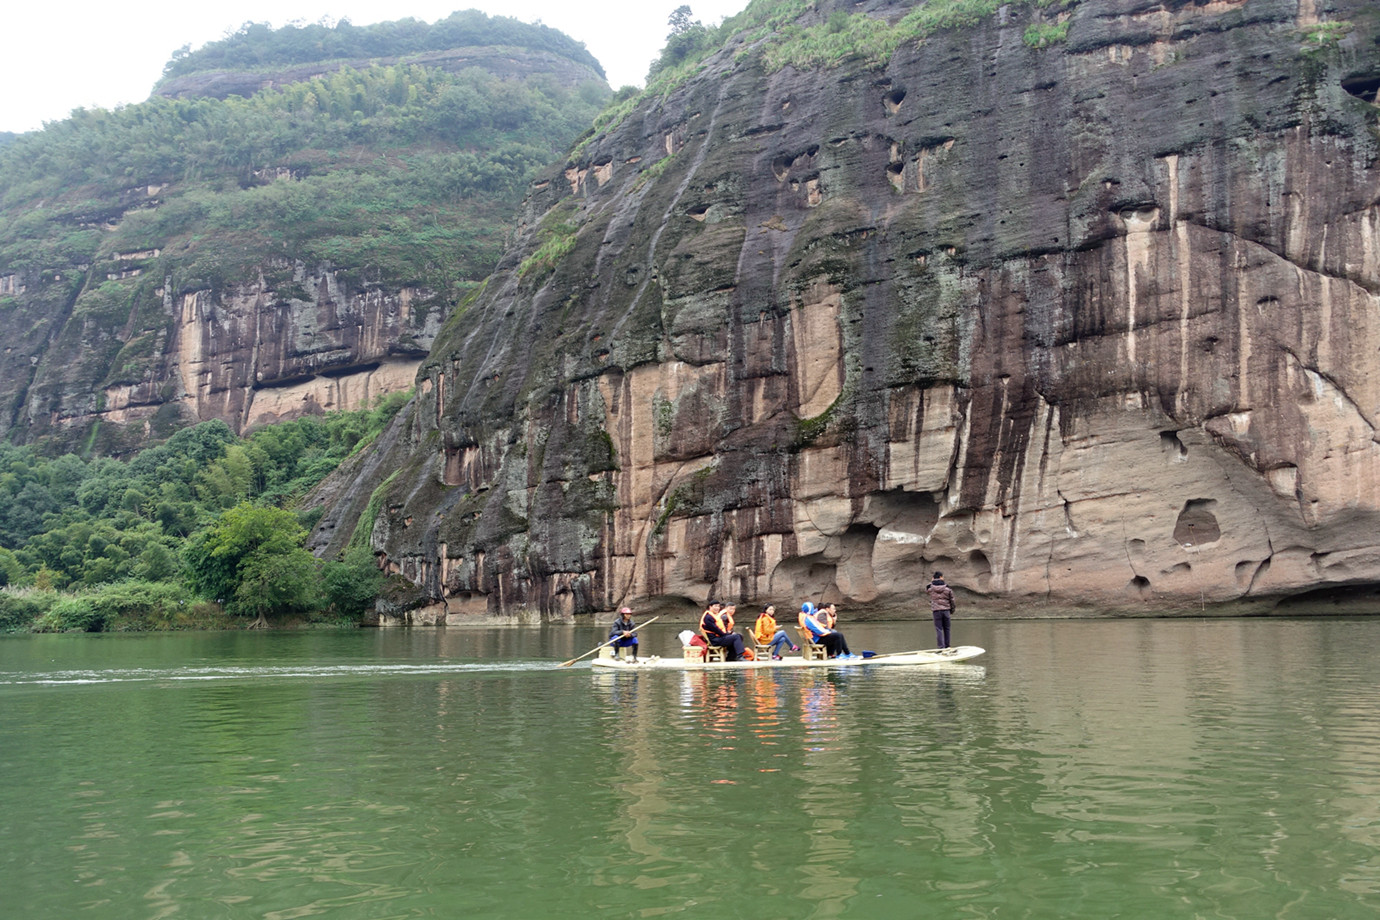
{"type": "Point", "coordinates": [263, 672]}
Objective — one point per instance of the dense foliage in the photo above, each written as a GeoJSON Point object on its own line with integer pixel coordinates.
{"type": "Point", "coordinates": [843, 36]}
{"type": "Point", "coordinates": [203, 516]}
{"type": "Point", "coordinates": [256, 45]}
{"type": "Point", "coordinates": [400, 174]}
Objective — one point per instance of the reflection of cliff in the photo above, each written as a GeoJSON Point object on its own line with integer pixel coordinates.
{"type": "Point", "coordinates": [1195, 737]}
{"type": "Point", "coordinates": [1091, 324]}
{"type": "Point", "coordinates": [828, 777]}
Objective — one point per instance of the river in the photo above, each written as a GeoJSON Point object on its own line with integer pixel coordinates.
{"type": "Point", "coordinates": [1094, 769]}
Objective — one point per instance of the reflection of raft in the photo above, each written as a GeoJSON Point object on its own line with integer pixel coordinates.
{"type": "Point", "coordinates": [925, 657]}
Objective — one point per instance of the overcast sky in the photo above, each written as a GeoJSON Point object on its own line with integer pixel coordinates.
{"type": "Point", "coordinates": [64, 54]}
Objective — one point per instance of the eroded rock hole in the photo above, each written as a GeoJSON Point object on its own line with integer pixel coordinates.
{"type": "Point", "coordinates": [893, 100]}
{"type": "Point", "coordinates": [803, 576]}
{"type": "Point", "coordinates": [1139, 586]}
{"type": "Point", "coordinates": [904, 512]}
{"type": "Point", "coordinates": [896, 175]}
{"type": "Point", "coordinates": [1364, 88]}
{"type": "Point", "coordinates": [1197, 524]}
{"type": "Point", "coordinates": [1172, 446]}
{"type": "Point", "coordinates": [858, 541]}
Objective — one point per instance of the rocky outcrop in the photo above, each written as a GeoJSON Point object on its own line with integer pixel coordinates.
{"type": "Point", "coordinates": [1090, 325]}
{"type": "Point", "coordinates": [255, 356]}
{"type": "Point", "coordinates": [300, 344]}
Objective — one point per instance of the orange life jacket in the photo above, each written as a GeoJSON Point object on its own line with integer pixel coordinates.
{"type": "Point", "coordinates": [724, 626]}
{"type": "Point", "coordinates": [765, 630]}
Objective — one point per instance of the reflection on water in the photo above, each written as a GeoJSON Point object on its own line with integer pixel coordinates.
{"type": "Point", "coordinates": [1148, 769]}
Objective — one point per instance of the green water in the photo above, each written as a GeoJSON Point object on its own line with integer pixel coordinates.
{"type": "Point", "coordinates": [1138, 769]}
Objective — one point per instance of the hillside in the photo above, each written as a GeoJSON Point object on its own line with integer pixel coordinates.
{"type": "Point", "coordinates": [259, 57]}
{"type": "Point", "coordinates": [1074, 301]}
{"type": "Point", "coordinates": [256, 258]}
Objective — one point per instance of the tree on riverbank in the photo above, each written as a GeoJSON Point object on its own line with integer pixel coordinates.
{"type": "Point", "coordinates": [113, 536]}
{"type": "Point", "coordinates": [252, 561]}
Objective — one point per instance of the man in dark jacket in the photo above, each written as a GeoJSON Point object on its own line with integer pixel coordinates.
{"type": "Point", "coordinates": [941, 608]}
{"type": "Point", "coordinates": [623, 635]}
{"type": "Point", "coordinates": [716, 625]}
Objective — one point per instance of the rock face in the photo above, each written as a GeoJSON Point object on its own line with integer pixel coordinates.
{"type": "Point", "coordinates": [154, 359]}
{"type": "Point", "coordinates": [1092, 325]}
{"type": "Point", "coordinates": [253, 356]}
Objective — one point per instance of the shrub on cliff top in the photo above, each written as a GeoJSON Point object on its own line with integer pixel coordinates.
{"type": "Point", "coordinates": [874, 40]}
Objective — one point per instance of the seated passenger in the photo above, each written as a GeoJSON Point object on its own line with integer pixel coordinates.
{"type": "Point", "coordinates": [717, 629]}
{"type": "Point", "coordinates": [766, 633]}
{"type": "Point", "coordinates": [835, 646]}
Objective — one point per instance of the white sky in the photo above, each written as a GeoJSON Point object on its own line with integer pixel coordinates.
{"type": "Point", "coordinates": [60, 55]}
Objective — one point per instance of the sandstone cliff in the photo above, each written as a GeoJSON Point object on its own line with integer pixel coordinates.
{"type": "Point", "coordinates": [1086, 322]}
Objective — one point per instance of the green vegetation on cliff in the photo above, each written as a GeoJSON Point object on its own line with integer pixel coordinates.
{"type": "Point", "coordinates": [794, 33]}
{"type": "Point", "coordinates": [859, 36]}
{"type": "Point", "coordinates": [404, 174]}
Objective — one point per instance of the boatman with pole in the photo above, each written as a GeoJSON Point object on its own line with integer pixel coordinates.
{"type": "Point", "coordinates": [623, 634]}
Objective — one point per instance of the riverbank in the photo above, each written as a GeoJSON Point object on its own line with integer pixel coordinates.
{"type": "Point", "coordinates": [132, 607]}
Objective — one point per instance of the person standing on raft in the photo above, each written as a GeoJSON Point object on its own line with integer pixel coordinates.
{"type": "Point", "coordinates": [941, 608]}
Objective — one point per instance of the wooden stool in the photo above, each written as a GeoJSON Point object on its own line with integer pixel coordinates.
{"type": "Point", "coordinates": [809, 649]}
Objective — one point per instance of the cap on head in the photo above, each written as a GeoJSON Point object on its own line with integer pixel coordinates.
{"type": "Point", "coordinates": [625, 610]}
{"type": "Point", "coordinates": [807, 607]}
